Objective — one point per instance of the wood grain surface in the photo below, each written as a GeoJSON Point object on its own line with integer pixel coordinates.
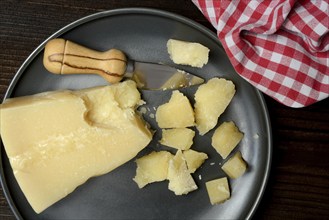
{"type": "Point", "coordinates": [298, 186]}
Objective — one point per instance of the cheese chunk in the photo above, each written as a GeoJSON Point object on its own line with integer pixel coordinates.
{"type": "Point", "coordinates": [180, 180]}
{"type": "Point", "coordinates": [211, 100]}
{"type": "Point", "coordinates": [181, 79]}
{"type": "Point", "coordinates": [194, 159]}
{"type": "Point", "coordinates": [218, 190]}
{"type": "Point", "coordinates": [56, 141]}
{"type": "Point", "coordinates": [177, 113]}
{"type": "Point", "coordinates": [225, 138]}
{"type": "Point", "coordinates": [152, 168]}
{"type": "Point", "coordinates": [235, 166]}
{"type": "Point", "coordinates": [187, 53]}
{"type": "Point", "coordinates": [177, 80]}
{"type": "Point", "coordinates": [179, 138]}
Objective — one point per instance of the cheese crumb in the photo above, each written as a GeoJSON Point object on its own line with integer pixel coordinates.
{"type": "Point", "coordinates": [142, 110]}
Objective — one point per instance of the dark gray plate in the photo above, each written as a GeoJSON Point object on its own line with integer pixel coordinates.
{"type": "Point", "coordinates": [142, 34]}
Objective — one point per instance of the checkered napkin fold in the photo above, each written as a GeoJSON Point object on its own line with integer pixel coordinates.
{"type": "Point", "coordinates": [279, 46]}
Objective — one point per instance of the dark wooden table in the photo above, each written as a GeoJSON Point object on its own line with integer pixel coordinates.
{"type": "Point", "coordinates": [298, 186]}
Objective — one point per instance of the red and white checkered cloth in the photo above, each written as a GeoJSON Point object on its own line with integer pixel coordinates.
{"type": "Point", "coordinates": [279, 46]}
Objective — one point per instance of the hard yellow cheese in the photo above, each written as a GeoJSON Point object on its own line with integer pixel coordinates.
{"type": "Point", "coordinates": [211, 100]}
{"type": "Point", "coordinates": [235, 166]}
{"type": "Point", "coordinates": [225, 138]}
{"type": "Point", "coordinates": [179, 138]}
{"type": "Point", "coordinates": [180, 180]}
{"type": "Point", "coordinates": [188, 53]}
{"type": "Point", "coordinates": [218, 190]}
{"type": "Point", "coordinates": [176, 113]}
{"type": "Point", "coordinates": [56, 141]}
{"type": "Point", "coordinates": [194, 159]}
{"type": "Point", "coordinates": [152, 168]}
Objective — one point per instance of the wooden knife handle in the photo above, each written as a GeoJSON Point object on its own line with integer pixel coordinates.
{"type": "Point", "coordinates": [65, 57]}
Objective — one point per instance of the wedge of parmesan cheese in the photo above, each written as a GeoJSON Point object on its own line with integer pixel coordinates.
{"type": "Point", "coordinates": [56, 141]}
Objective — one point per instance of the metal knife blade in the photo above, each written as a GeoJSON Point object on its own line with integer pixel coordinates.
{"type": "Point", "coordinates": [152, 76]}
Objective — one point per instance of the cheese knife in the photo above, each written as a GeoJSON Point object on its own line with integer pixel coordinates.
{"type": "Point", "coordinates": [62, 56]}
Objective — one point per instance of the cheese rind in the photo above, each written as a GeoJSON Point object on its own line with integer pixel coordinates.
{"type": "Point", "coordinates": [67, 137]}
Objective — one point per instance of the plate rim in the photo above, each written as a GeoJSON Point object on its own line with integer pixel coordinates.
{"type": "Point", "coordinates": [144, 11]}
